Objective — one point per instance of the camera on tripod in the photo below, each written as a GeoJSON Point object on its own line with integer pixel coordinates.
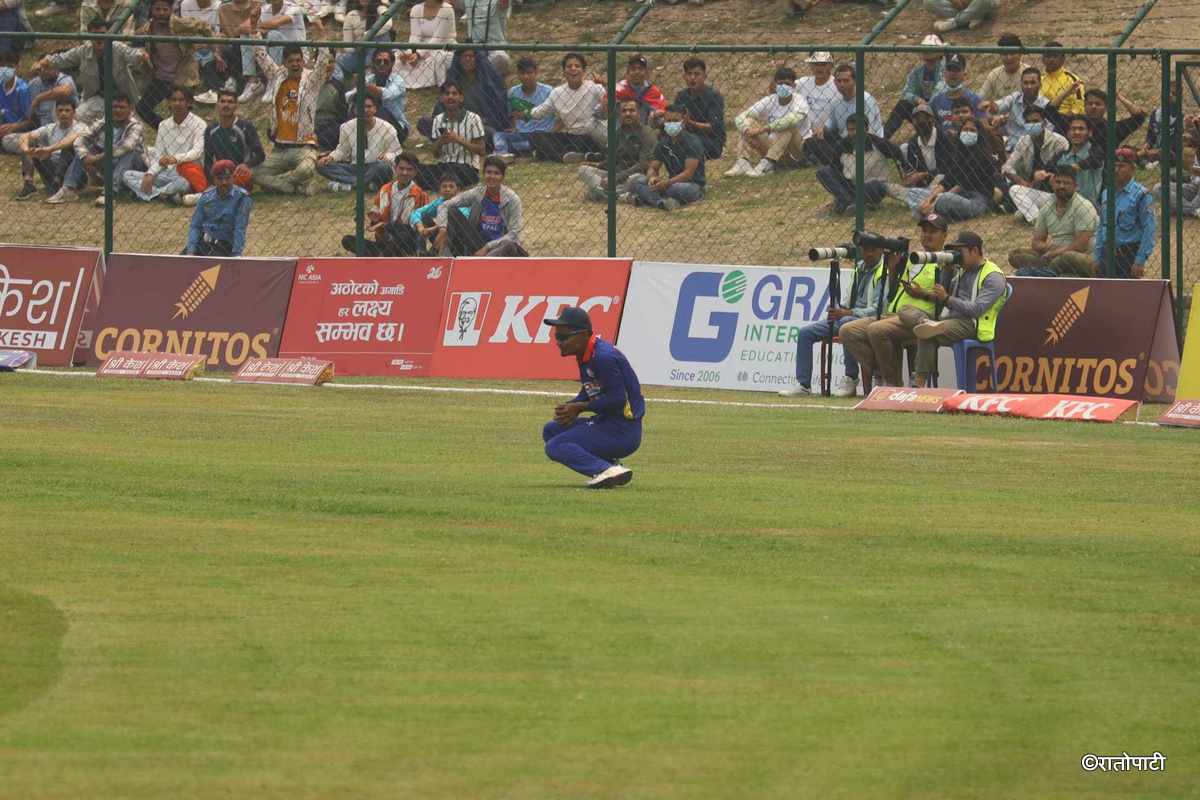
{"type": "Point", "coordinates": [829, 253]}
{"type": "Point", "coordinates": [898, 244]}
{"type": "Point", "coordinates": [940, 257]}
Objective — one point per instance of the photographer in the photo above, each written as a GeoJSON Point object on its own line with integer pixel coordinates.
{"type": "Point", "coordinates": [860, 302]}
{"type": "Point", "coordinates": [877, 344]}
{"type": "Point", "coordinates": [976, 295]}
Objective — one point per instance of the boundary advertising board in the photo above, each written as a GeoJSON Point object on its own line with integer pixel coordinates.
{"type": "Point", "coordinates": [370, 316]}
{"type": "Point", "coordinates": [491, 323]}
{"type": "Point", "coordinates": [43, 291]}
{"type": "Point", "coordinates": [226, 309]}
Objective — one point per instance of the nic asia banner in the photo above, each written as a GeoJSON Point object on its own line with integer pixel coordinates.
{"type": "Point", "coordinates": [722, 327]}
{"type": "Point", "coordinates": [227, 310]}
{"type": "Point", "coordinates": [43, 291]}
{"type": "Point", "coordinates": [1106, 338]}
{"type": "Point", "coordinates": [371, 316]}
{"type": "Point", "coordinates": [491, 324]}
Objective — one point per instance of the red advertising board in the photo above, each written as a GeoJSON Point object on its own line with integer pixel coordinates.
{"type": "Point", "coordinates": [896, 398]}
{"type": "Point", "coordinates": [43, 291]}
{"type": "Point", "coordinates": [1097, 337]}
{"type": "Point", "coordinates": [226, 309]}
{"type": "Point", "coordinates": [151, 366]}
{"type": "Point", "coordinates": [491, 323]}
{"type": "Point", "coordinates": [1043, 406]}
{"type": "Point", "coordinates": [369, 316]}
{"type": "Point", "coordinates": [291, 371]}
{"type": "Point", "coordinates": [1183, 414]}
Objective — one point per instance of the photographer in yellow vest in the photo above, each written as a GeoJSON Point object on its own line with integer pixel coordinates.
{"type": "Point", "coordinates": [969, 308]}
{"type": "Point", "coordinates": [877, 344]}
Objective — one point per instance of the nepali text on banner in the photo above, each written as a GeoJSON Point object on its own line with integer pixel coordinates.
{"type": "Point", "coordinates": [369, 316]}
{"type": "Point", "coordinates": [492, 318]}
{"type": "Point", "coordinates": [227, 309]}
{"type": "Point", "coordinates": [43, 291]}
{"type": "Point", "coordinates": [1106, 338]}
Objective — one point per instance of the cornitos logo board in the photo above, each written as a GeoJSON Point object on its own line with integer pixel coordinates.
{"type": "Point", "coordinates": [722, 327]}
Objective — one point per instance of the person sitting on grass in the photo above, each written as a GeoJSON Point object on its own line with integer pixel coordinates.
{"type": "Point", "coordinates": [175, 159]}
{"type": "Point", "coordinates": [129, 141]}
{"type": "Point", "coordinates": [292, 92]}
{"type": "Point", "coordinates": [1010, 111]}
{"type": "Point", "coordinates": [840, 180]}
{"type": "Point", "coordinates": [675, 176]}
{"type": "Point", "coordinates": [340, 166]}
{"type": "Point", "coordinates": [611, 392]}
{"type": "Point", "coordinates": [51, 149]}
{"type": "Point", "coordinates": [493, 226]}
{"type": "Point", "coordinates": [953, 90]}
{"type": "Point", "coordinates": [459, 142]}
{"type": "Point", "coordinates": [1062, 234]}
{"type": "Point", "coordinates": [635, 146]}
{"type": "Point", "coordinates": [424, 219]}
{"type": "Point", "coordinates": [1029, 167]}
{"type": "Point", "coordinates": [222, 214]}
{"type": "Point", "coordinates": [919, 86]}
{"type": "Point", "coordinates": [387, 89]}
{"type": "Point", "coordinates": [704, 107]}
{"type": "Point", "coordinates": [16, 111]}
{"type": "Point", "coordinates": [523, 97]}
{"type": "Point", "coordinates": [773, 130]}
{"type": "Point", "coordinates": [970, 177]}
{"type": "Point", "coordinates": [233, 138]}
{"type": "Point", "coordinates": [955, 14]}
{"type": "Point", "coordinates": [85, 61]}
{"type": "Point", "coordinates": [390, 218]}
{"type": "Point", "coordinates": [576, 106]}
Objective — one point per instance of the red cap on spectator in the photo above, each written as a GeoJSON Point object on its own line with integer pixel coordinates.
{"type": "Point", "coordinates": [224, 165]}
{"type": "Point", "coordinates": [1126, 155]}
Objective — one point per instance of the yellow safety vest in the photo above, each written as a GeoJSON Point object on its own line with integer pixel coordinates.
{"type": "Point", "coordinates": [925, 279]}
{"type": "Point", "coordinates": [985, 326]}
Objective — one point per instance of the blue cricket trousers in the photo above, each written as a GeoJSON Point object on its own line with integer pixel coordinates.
{"type": "Point", "coordinates": [585, 445]}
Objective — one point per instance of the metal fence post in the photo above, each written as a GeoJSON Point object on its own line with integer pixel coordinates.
{"type": "Point", "coordinates": [1164, 163]}
{"type": "Point", "coordinates": [360, 147]}
{"type": "Point", "coordinates": [109, 194]}
{"type": "Point", "coordinates": [1110, 172]}
{"type": "Point", "coordinates": [860, 135]}
{"type": "Point", "coordinates": [1180, 73]}
{"type": "Point", "coordinates": [610, 86]}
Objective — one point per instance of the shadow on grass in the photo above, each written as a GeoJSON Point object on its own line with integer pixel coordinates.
{"type": "Point", "coordinates": [31, 634]}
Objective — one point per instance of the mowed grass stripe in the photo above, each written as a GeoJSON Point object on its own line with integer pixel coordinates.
{"type": "Point", "coordinates": [288, 593]}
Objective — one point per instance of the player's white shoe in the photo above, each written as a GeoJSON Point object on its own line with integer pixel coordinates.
{"type": "Point", "coordinates": [846, 387]}
{"type": "Point", "coordinates": [615, 475]}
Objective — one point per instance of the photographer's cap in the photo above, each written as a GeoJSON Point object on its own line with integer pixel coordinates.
{"type": "Point", "coordinates": [935, 221]}
{"type": "Point", "coordinates": [820, 57]}
{"type": "Point", "coordinates": [572, 318]}
{"type": "Point", "coordinates": [955, 61]}
{"type": "Point", "coordinates": [967, 239]}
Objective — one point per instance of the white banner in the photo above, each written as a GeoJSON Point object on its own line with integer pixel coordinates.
{"type": "Point", "coordinates": [728, 326]}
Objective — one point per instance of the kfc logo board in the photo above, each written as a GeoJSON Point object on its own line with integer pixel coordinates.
{"type": "Point", "coordinates": [369, 316]}
{"type": "Point", "coordinates": [1044, 406]}
{"type": "Point", "coordinates": [43, 292]}
{"type": "Point", "coordinates": [492, 319]}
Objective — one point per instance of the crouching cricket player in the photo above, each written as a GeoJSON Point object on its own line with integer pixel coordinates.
{"type": "Point", "coordinates": [611, 391]}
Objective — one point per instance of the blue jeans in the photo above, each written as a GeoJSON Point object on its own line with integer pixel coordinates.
{"type": "Point", "coordinates": [511, 142]}
{"type": "Point", "coordinates": [683, 192]}
{"type": "Point", "coordinates": [377, 173]}
{"type": "Point", "coordinates": [76, 172]}
{"type": "Point", "coordinates": [955, 207]}
{"type": "Point", "coordinates": [167, 182]}
{"type": "Point", "coordinates": [812, 333]}
{"type": "Point", "coordinates": [590, 443]}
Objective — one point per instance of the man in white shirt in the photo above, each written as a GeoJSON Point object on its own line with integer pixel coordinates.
{"type": "Point", "coordinates": [458, 143]}
{"type": "Point", "coordinates": [340, 165]}
{"type": "Point", "coordinates": [576, 104]}
{"type": "Point", "coordinates": [772, 130]}
{"type": "Point", "coordinates": [176, 159]}
{"type": "Point", "coordinates": [818, 89]}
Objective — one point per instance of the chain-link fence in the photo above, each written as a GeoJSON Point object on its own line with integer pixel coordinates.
{"type": "Point", "coordinates": [769, 159]}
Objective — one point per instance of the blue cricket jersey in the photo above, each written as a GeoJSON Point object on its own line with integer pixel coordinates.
{"type": "Point", "coordinates": [610, 386]}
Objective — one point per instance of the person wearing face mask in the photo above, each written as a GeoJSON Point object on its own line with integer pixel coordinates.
{"type": "Point", "coordinates": [970, 175]}
{"type": "Point", "coordinates": [953, 88]}
{"type": "Point", "coordinates": [1029, 167]}
{"type": "Point", "coordinates": [675, 176]}
{"type": "Point", "coordinates": [1010, 111]}
{"type": "Point", "coordinates": [1062, 234]}
{"type": "Point", "coordinates": [773, 130]}
{"type": "Point", "coordinates": [16, 105]}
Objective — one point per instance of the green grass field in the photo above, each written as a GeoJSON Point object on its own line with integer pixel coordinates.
{"type": "Point", "coordinates": [219, 591]}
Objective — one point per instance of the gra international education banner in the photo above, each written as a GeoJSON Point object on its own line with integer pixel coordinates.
{"type": "Point", "coordinates": [369, 316]}
{"type": "Point", "coordinates": [43, 292]}
{"type": "Point", "coordinates": [227, 309]}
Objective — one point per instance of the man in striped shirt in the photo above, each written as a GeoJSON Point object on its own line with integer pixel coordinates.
{"type": "Point", "coordinates": [129, 152]}
{"type": "Point", "coordinates": [458, 143]}
{"type": "Point", "coordinates": [340, 165]}
{"type": "Point", "coordinates": [175, 167]}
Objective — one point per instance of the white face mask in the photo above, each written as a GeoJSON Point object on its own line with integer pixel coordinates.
{"type": "Point", "coordinates": [783, 91]}
{"type": "Point", "coordinates": [673, 128]}
{"type": "Point", "coordinates": [6, 75]}
{"type": "Point", "coordinates": [969, 138]}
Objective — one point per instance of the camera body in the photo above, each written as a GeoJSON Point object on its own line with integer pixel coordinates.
{"type": "Point", "coordinates": [841, 251]}
{"type": "Point", "coordinates": [940, 257]}
{"type": "Point", "coordinates": [898, 244]}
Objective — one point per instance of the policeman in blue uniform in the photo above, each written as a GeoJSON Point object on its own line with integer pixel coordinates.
{"type": "Point", "coordinates": [611, 391]}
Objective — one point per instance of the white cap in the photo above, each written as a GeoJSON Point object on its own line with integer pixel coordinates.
{"type": "Point", "coordinates": [819, 57]}
{"type": "Point", "coordinates": [932, 40]}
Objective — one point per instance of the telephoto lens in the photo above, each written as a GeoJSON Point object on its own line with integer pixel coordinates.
{"type": "Point", "coordinates": [830, 253]}
{"type": "Point", "coordinates": [942, 257]}
{"type": "Point", "coordinates": [868, 239]}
